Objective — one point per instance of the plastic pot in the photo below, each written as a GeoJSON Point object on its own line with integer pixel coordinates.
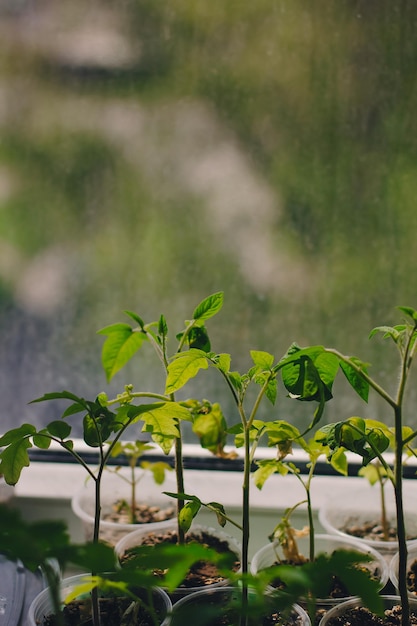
{"type": "Point", "coordinates": [136, 538]}
{"type": "Point", "coordinates": [267, 556]}
{"type": "Point", "coordinates": [113, 489]}
{"type": "Point", "coordinates": [343, 607]}
{"type": "Point", "coordinates": [201, 608]}
{"type": "Point", "coordinates": [361, 506]}
{"type": "Point", "coordinates": [42, 606]}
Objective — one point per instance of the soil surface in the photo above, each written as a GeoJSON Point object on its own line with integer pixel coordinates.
{"type": "Point", "coordinates": [203, 572]}
{"type": "Point", "coordinates": [370, 530]}
{"type": "Point", "coordinates": [362, 617]}
{"type": "Point", "coordinates": [144, 513]}
{"type": "Point", "coordinates": [112, 612]}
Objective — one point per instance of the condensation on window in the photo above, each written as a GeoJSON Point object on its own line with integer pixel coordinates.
{"type": "Point", "coordinates": [152, 153]}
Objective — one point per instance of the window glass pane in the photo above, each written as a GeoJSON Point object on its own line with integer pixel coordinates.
{"type": "Point", "coordinates": [152, 153]}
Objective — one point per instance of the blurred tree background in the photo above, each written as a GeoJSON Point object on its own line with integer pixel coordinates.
{"type": "Point", "coordinates": [152, 153]}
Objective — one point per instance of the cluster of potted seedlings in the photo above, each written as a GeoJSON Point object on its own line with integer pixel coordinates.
{"type": "Point", "coordinates": [168, 569]}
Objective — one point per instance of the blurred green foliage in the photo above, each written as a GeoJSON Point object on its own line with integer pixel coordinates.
{"type": "Point", "coordinates": [320, 100]}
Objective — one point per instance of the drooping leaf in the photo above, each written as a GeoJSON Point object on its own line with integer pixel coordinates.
{"type": "Point", "coordinates": [14, 458]}
{"type": "Point", "coordinates": [185, 365]}
{"type": "Point", "coordinates": [211, 428]}
{"type": "Point", "coordinates": [267, 468]}
{"type": "Point", "coordinates": [209, 306]}
{"type": "Point", "coordinates": [359, 384]}
{"type": "Point", "coordinates": [188, 513]}
{"type": "Point", "coordinates": [198, 338]}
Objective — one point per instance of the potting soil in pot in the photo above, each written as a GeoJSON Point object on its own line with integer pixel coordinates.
{"type": "Point", "coordinates": [203, 572]}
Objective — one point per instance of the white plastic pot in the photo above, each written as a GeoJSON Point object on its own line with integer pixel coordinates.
{"type": "Point", "coordinates": [42, 606]}
{"type": "Point", "coordinates": [267, 556]}
{"type": "Point", "coordinates": [340, 609]}
{"type": "Point", "coordinates": [193, 609]}
{"type": "Point", "coordinates": [393, 566]}
{"type": "Point", "coordinates": [113, 489]}
{"type": "Point", "coordinates": [136, 538]}
{"type": "Point", "coordinates": [363, 505]}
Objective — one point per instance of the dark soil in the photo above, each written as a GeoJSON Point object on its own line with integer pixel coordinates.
{"type": "Point", "coordinates": [144, 513]}
{"type": "Point", "coordinates": [336, 589]}
{"type": "Point", "coordinates": [362, 617]}
{"type": "Point", "coordinates": [112, 610]}
{"type": "Point", "coordinates": [412, 578]}
{"type": "Point", "coordinates": [203, 572]}
{"type": "Point", "coordinates": [219, 612]}
{"type": "Point", "coordinates": [370, 530]}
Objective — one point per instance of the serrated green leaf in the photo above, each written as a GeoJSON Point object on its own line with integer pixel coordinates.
{"type": "Point", "coordinates": [209, 306]}
{"type": "Point", "coordinates": [222, 362]}
{"type": "Point", "coordinates": [263, 360]}
{"type": "Point", "coordinates": [266, 469]}
{"type": "Point", "coordinates": [185, 365]}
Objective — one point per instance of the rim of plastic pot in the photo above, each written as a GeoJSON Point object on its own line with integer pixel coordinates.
{"type": "Point", "coordinates": [41, 604]}
{"type": "Point", "coordinates": [362, 505]}
{"type": "Point", "coordinates": [197, 595]}
{"type": "Point", "coordinates": [265, 556]}
{"type": "Point", "coordinates": [113, 488]}
{"type": "Point", "coordinates": [393, 565]}
{"type": "Point", "coordinates": [131, 540]}
{"type": "Point", "coordinates": [336, 611]}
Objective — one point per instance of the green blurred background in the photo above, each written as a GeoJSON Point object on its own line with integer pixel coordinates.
{"type": "Point", "coordinates": [152, 153]}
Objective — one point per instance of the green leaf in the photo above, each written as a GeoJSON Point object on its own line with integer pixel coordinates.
{"type": "Point", "coordinates": [211, 428]}
{"type": "Point", "coordinates": [61, 395]}
{"type": "Point", "coordinates": [222, 362]}
{"type": "Point", "coordinates": [135, 317]}
{"type": "Point", "coordinates": [209, 306]}
{"type": "Point", "coordinates": [309, 373]}
{"type": "Point", "coordinates": [188, 513]}
{"type": "Point", "coordinates": [184, 366]}
{"type": "Point", "coordinates": [266, 469]}
{"type": "Point", "coordinates": [120, 346]}
{"type": "Point", "coordinates": [263, 360]}
{"type": "Point", "coordinates": [358, 383]}
{"type": "Point", "coordinates": [220, 512]}
{"type": "Point", "coordinates": [13, 459]}
{"type": "Point", "coordinates": [16, 434]}
{"type": "Point", "coordinates": [59, 429]}
{"type": "Point", "coordinates": [198, 338]}
{"type": "Point", "coordinates": [42, 439]}
{"type": "Point", "coordinates": [409, 311]}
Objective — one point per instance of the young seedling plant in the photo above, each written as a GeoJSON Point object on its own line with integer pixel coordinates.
{"type": "Point", "coordinates": [123, 341]}
{"type": "Point", "coordinates": [100, 425]}
{"type": "Point", "coordinates": [132, 451]}
{"type": "Point", "coordinates": [369, 440]}
{"type": "Point", "coordinates": [307, 374]}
